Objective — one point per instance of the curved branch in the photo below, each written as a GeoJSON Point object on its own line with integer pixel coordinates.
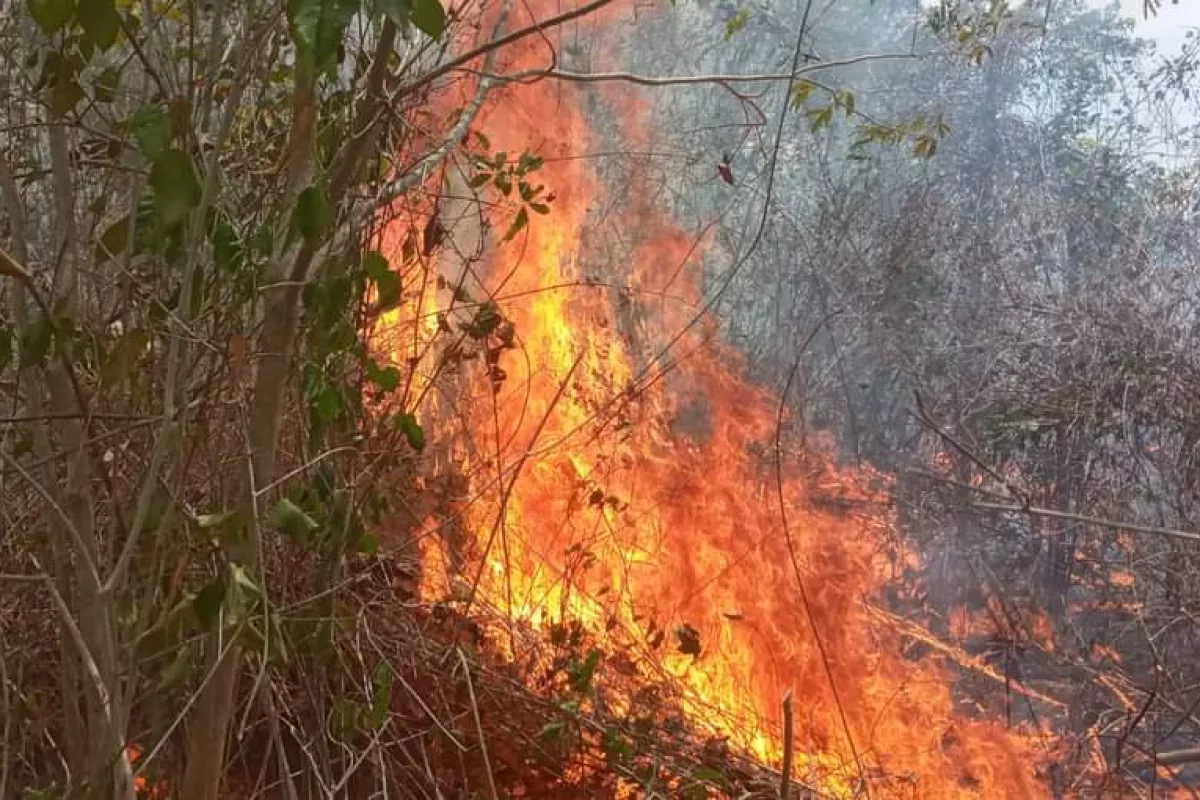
{"type": "Point", "coordinates": [496, 44]}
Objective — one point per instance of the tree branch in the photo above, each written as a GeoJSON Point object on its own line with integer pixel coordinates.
{"type": "Point", "coordinates": [496, 44]}
{"type": "Point", "coordinates": [1188, 536]}
{"type": "Point", "coordinates": [690, 80]}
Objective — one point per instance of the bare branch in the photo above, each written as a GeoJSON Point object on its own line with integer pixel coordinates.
{"type": "Point", "coordinates": [501, 42]}
{"type": "Point", "coordinates": [1188, 536]}
{"type": "Point", "coordinates": [692, 80]}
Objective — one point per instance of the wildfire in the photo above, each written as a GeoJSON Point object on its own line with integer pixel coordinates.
{"type": "Point", "coordinates": [637, 495]}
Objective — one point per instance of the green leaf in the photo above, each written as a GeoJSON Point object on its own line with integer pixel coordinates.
{"type": "Point", "coordinates": [151, 130]}
{"type": "Point", "coordinates": [328, 403]}
{"type": "Point", "coordinates": [112, 242]}
{"type": "Point", "coordinates": [104, 87]}
{"type": "Point", "coordinates": [65, 96]}
{"type": "Point", "coordinates": [553, 731]}
{"type": "Point", "coordinates": [407, 424]}
{"type": "Point", "coordinates": [207, 604]}
{"type": "Point", "coordinates": [528, 162]}
{"type": "Point", "coordinates": [388, 286]}
{"type": "Point", "coordinates": [210, 521]}
{"type": "Point", "coordinates": [708, 775]}
{"type": "Point", "coordinates": [176, 186]}
{"type": "Point", "coordinates": [291, 520]}
{"type": "Point", "coordinates": [33, 343]}
{"type": "Point", "coordinates": [177, 670]}
{"type": "Point", "coordinates": [343, 718]}
{"type": "Point", "coordinates": [367, 544]}
{"type": "Point", "coordinates": [519, 222]}
{"type": "Point", "coordinates": [240, 594]}
{"type": "Point", "coordinates": [736, 22]}
{"type": "Point", "coordinates": [387, 283]}
{"type": "Point", "coordinates": [479, 180]}
{"type": "Point", "coordinates": [374, 264]}
{"type": "Point", "coordinates": [99, 21]}
{"type": "Point", "coordinates": [429, 17]}
{"type": "Point", "coordinates": [848, 103]}
{"type": "Point", "coordinates": [123, 357]}
{"type": "Point", "coordinates": [242, 579]}
{"type": "Point", "coordinates": [312, 214]}
{"type": "Point", "coordinates": [385, 378]}
{"type": "Point", "coordinates": [925, 147]}
{"type": "Point", "coordinates": [581, 674]}
{"type": "Point", "coordinates": [318, 27]}
{"type": "Point", "coordinates": [820, 117]}
{"type": "Point", "coordinates": [540, 208]}
{"type": "Point", "coordinates": [381, 695]}
{"type": "Point", "coordinates": [227, 250]}
{"type": "Point", "coordinates": [616, 746]}
{"type": "Point", "coordinates": [51, 15]}
{"type": "Point", "coordinates": [801, 92]}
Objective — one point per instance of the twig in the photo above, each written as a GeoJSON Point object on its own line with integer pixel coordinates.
{"type": "Point", "coordinates": [170, 431]}
{"type": "Point", "coordinates": [964, 660]}
{"type": "Point", "coordinates": [416, 696]}
{"type": "Point", "coordinates": [358, 761]}
{"type": "Point", "coordinates": [1176, 758]}
{"type": "Point", "coordinates": [1189, 536]}
{"type": "Point", "coordinates": [45, 417]}
{"type": "Point", "coordinates": [6, 699]}
{"type": "Point", "coordinates": [787, 536]}
{"type": "Point", "coordinates": [302, 468]}
{"type": "Point", "coordinates": [690, 80]}
{"type": "Point", "coordinates": [487, 764]}
{"type": "Point", "coordinates": [496, 44]}
{"type": "Point", "coordinates": [1133, 723]}
{"type": "Point", "coordinates": [923, 416]}
{"type": "Point", "coordinates": [419, 171]}
{"type": "Point", "coordinates": [506, 492]}
{"type": "Point", "coordinates": [166, 738]}
{"type": "Point", "coordinates": [84, 553]}
{"type": "Point", "coordinates": [266, 692]}
{"type": "Point", "coordinates": [9, 267]}
{"type": "Point", "coordinates": [785, 778]}
{"type": "Point", "coordinates": [93, 670]}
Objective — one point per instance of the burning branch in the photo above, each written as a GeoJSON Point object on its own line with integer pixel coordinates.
{"type": "Point", "coordinates": [1188, 536]}
{"type": "Point", "coordinates": [785, 779]}
{"type": "Point", "coordinates": [800, 583]}
{"type": "Point", "coordinates": [497, 44]}
{"type": "Point", "coordinates": [965, 660]}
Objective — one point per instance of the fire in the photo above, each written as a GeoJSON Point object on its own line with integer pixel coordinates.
{"type": "Point", "coordinates": [637, 495]}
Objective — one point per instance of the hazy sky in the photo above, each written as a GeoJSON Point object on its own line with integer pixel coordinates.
{"type": "Point", "coordinates": [1168, 27]}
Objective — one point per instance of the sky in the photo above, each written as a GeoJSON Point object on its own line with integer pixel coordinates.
{"type": "Point", "coordinates": [1168, 27]}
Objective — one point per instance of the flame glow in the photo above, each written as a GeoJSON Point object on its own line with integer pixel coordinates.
{"type": "Point", "coordinates": [609, 490]}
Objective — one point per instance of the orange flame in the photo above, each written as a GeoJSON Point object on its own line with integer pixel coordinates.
{"type": "Point", "coordinates": [617, 492]}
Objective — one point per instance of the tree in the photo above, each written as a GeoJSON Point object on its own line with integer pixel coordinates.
{"type": "Point", "coordinates": [192, 196]}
